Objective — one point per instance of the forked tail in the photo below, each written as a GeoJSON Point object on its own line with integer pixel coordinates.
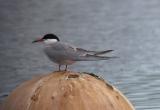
{"type": "Point", "coordinates": [94, 58]}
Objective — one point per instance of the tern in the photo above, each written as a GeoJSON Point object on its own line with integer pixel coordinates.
{"type": "Point", "coordinates": [63, 53]}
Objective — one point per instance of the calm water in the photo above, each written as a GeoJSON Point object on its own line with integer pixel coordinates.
{"type": "Point", "coordinates": [130, 27]}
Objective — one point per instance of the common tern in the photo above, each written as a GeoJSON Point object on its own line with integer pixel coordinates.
{"type": "Point", "coordinates": [65, 54]}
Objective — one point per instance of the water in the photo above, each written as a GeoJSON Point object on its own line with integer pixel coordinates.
{"type": "Point", "coordinates": [131, 28]}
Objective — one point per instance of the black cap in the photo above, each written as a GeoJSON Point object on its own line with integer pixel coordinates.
{"type": "Point", "coordinates": [50, 36]}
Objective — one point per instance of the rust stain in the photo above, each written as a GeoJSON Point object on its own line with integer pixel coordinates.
{"type": "Point", "coordinates": [36, 94]}
{"type": "Point", "coordinates": [117, 97]}
{"type": "Point", "coordinates": [52, 97]}
{"type": "Point", "coordinates": [73, 76]}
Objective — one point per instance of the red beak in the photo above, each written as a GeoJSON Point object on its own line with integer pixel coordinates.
{"type": "Point", "coordinates": [38, 40]}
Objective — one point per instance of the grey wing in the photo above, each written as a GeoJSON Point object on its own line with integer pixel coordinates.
{"type": "Point", "coordinates": [88, 55]}
{"type": "Point", "coordinates": [63, 51]}
{"type": "Point", "coordinates": [60, 51]}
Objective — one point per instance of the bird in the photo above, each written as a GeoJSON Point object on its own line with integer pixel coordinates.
{"type": "Point", "coordinates": [66, 54]}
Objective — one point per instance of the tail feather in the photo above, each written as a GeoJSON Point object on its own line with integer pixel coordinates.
{"type": "Point", "coordinates": [94, 58]}
{"type": "Point", "coordinates": [102, 52]}
{"type": "Point", "coordinates": [93, 52]}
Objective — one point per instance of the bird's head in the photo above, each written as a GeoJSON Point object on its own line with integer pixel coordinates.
{"type": "Point", "coordinates": [48, 39]}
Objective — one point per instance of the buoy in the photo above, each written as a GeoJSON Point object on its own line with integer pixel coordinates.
{"type": "Point", "coordinates": [66, 91]}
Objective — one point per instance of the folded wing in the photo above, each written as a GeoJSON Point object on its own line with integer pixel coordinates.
{"type": "Point", "coordinates": [93, 52]}
{"type": "Point", "coordinates": [87, 55]}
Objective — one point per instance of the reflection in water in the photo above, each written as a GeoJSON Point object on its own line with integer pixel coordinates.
{"type": "Point", "coordinates": [131, 28]}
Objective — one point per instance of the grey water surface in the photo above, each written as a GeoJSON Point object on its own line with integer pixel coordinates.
{"type": "Point", "coordinates": [130, 27]}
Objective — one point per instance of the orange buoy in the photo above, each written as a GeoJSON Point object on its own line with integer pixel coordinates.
{"type": "Point", "coordinates": [66, 91]}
